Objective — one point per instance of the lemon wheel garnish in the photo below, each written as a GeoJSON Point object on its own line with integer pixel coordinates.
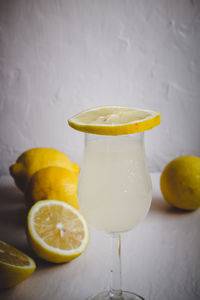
{"type": "Point", "coordinates": [57, 232]}
{"type": "Point", "coordinates": [15, 266]}
{"type": "Point", "coordinates": [114, 120]}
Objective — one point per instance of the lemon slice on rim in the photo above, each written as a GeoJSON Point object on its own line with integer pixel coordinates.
{"type": "Point", "coordinates": [114, 120]}
{"type": "Point", "coordinates": [57, 232]}
{"type": "Point", "coordinates": [15, 266]}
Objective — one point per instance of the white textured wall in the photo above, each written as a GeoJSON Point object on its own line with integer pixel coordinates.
{"type": "Point", "coordinates": [59, 57]}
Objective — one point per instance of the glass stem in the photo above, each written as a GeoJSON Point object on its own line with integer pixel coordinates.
{"type": "Point", "coordinates": [115, 288]}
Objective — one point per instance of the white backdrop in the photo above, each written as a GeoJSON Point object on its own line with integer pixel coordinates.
{"type": "Point", "coordinates": [59, 57]}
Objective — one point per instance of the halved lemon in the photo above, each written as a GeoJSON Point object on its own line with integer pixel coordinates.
{"type": "Point", "coordinates": [114, 120]}
{"type": "Point", "coordinates": [57, 232]}
{"type": "Point", "coordinates": [15, 266]}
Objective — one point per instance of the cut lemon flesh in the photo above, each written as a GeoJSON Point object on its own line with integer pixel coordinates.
{"type": "Point", "coordinates": [114, 120]}
{"type": "Point", "coordinates": [57, 232]}
{"type": "Point", "coordinates": [15, 266]}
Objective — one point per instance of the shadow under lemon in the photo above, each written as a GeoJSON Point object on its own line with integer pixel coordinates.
{"type": "Point", "coordinates": [159, 205]}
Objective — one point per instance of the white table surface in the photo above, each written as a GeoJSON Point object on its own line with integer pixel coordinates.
{"type": "Point", "coordinates": [160, 257]}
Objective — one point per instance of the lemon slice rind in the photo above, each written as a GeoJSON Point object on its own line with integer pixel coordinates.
{"type": "Point", "coordinates": [12, 274]}
{"type": "Point", "coordinates": [31, 264]}
{"type": "Point", "coordinates": [150, 120]}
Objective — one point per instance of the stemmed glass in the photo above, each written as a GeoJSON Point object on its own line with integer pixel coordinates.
{"type": "Point", "coordinates": [114, 188]}
{"type": "Point", "coordinates": [114, 193]}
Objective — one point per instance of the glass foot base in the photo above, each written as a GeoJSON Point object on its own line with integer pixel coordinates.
{"type": "Point", "coordinates": [125, 296]}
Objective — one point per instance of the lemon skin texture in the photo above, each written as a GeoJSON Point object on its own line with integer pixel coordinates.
{"type": "Point", "coordinates": [35, 159]}
{"type": "Point", "coordinates": [52, 183]}
{"type": "Point", "coordinates": [180, 182]}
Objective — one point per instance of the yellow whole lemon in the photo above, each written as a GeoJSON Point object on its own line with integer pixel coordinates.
{"type": "Point", "coordinates": [35, 159]}
{"type": "Point", "coordinates": [53, 183]}
{"type": "Point", "coordinates": [180, 182]}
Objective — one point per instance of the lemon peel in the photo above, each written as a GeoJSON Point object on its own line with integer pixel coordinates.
{"type": "Point", "coordinates": [180, 182]}
{"type": "Point", "coordinates": [52, 183]}
{"type": "Point", "coordinates": [35, 159]}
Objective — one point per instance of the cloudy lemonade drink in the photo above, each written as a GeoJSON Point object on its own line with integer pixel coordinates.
{"type": "Point", "coordinates": [114, 187]}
